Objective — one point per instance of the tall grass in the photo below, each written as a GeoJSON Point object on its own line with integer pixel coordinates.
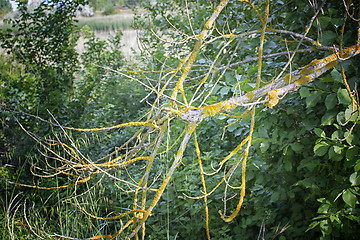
{"type": "Point", "coordinates": [107, 23]}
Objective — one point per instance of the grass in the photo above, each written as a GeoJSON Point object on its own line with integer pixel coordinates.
{"type": "Point", "coordinates": [120, 21]}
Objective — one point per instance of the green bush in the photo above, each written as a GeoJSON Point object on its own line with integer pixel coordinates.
{"type": "Point", "coordinates": [108, 11]}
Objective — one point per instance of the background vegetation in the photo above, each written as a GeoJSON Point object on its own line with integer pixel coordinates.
{"type": "Point", "coordinates": [5, 7]}
{"type": "Point", "coordinates": [302, 177]}
{"type": "Point", "coordinates": [108, 23]}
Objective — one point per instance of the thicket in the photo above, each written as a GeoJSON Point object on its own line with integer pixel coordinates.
{"type": "Point", "coordinates": [249, 110]}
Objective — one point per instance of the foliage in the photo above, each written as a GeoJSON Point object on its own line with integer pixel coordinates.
{"type": "Point", "coordinates": [219, 78]}
{"type": "Point", "coordinates": [101, 96]}
{"type": "Point", "coordinates": [43, 40]}
{"type": "Point", "coordinates": [18, 92]}
{"type": "Point", "coordinates": [36, 74]}
{"type": "Point", "coordinates": [94, 92]}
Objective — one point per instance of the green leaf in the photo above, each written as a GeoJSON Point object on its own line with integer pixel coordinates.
{"type": "Point", "coordinates": [263, 132]}
{"type": "Point", "coordinates": [336, 75]}
{"type": "Point", "coordinates": [335, 135]}
{"type": "Point", "coordinates": [351, 153]}
{"type": "Point", "coordinates": [324, 21]}
{"type": "Point", "coordinates": [296, 147]}
{"type": "Point", "coordinates": [349, 198]}
{"type": "Point", "coordinates": [351, 114]}
{"type": "Point", "coordinates": [343, 96]}
{"type": "Point", "coordinates": [338, 149]}
{"type": "Point", "coordinates": [340, 118]}
{"type": "Point", "coordinates": [333, 154]}
{"type": "Point", "coordinates": [232, 127]}
{"type": "Point", "coordinates": [319, 132]}
{"type": "Point", "coordinates": [275, 196]}
{"type": "Point", "coordinates": [230, 78]}
{"type": "Point", "coordinates": [328, 118]}
{"type": "Point", "coordinates": [321, 148]}
{"type": "Point", "coordinates": [264, 146]}
{"type": "Point", "coordinates": [304, 92]}
{"type": "Point", "coordinates": [312, 225]}
{"type": "Point", "coordinates": [313, 99]}
{"type": "Point", "coordinates": [354, 179]}
{"type": "Point", "coordinates": [224, 90]}
{"type": "Point", "coordinates": [357, 166]}
{"type": "Point", "coordinates": [330, 101]}
{"type": "Point", "coordinates": [288, 166]}
{"type": "Point", "coordinates": [252, 70]}
{"type": "Point", "coordinates": [307, 183]}
{"type": "Point", "coordinates": [334, 217]}
{"type": "Point", "coordinates": [324, 208]}
{"type": "Point", "coordinates": [328, 37]}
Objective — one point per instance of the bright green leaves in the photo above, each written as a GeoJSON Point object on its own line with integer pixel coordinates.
{"type": "Point", "coordinates": [319, 132]}
{"type": "Point", "coordinates": [352, 153]}
{"type": "Point", "coordinates": [337, 145]}
{"type": "Point", "coordinates": [324, 207]}
{"type": "Point", "coordinates": [349, 195]}
{"type": "Point", "coordinates": [352, 113]}
{"type": "Point", "coordinates": [343, 96]}
{"type": "Point", "coordinates": [349, 198]}
{"type": "Point", "coordinates": [264, 146]}
{"type": "Point", "coordinates": [354, 179]}
{"type": "Point", "coordinates": [328, 215]}
{"type": "Point", "coordinates": [321, 148]}
{"type": "Point", "coordinates": [328, 118]}
{"type": "Point", "coordinates": [313, 99]}
{"type": "Point", "coordinates": [335, 152]}
{"type": "Point", "coordinates": [243, 83]}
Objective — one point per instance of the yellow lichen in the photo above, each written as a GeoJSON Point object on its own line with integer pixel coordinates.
{"type": "Point", "coordinates": [316, 43]}
{"type": "Point", "coordinates": [303, 80]}
{"type": "Point", "coordinates": [288, 78]}
{"type": "Point", "coordinates": [308, 69]}
{"type": "Point", "coordinates": [273, 98]}
{"type": "Point", "coordinates": [149, 124]}
{"type": "Point", "coordinates": [212, 110]}
{"type": "Point", "coordinates": [331, 64]}
{"type": "Point", "coordinates": [249, 95]}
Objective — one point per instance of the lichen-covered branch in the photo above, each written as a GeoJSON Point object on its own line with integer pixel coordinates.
{"type": "Point", "coordinates": [272, 90]}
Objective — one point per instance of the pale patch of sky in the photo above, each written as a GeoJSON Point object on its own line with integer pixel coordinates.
{"type": "Point", "coordinates": [13, 4]}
